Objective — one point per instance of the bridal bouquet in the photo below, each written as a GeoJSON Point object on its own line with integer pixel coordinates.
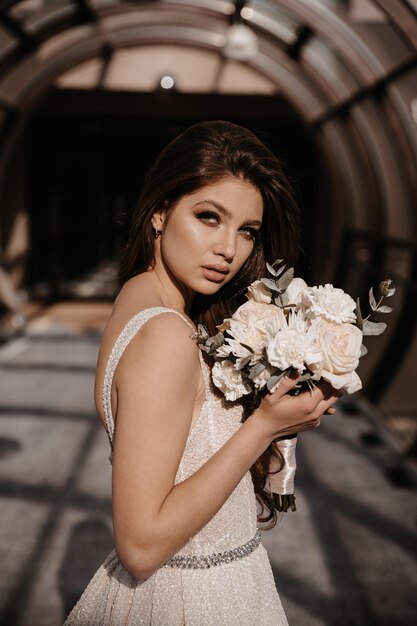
{"type": "Point", "coordinates": [284, 326]}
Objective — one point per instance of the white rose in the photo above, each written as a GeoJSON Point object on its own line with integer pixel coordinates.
{"type": "Point", "coordinates": [247, 326]}
{"type": "Point", "coordinates": [252, 312]}
{"type": "Point", "coordinates": [259, 292]}
{"type": "Point", "coordinates": [229, 380]}
{"type": "Point", "coordinates": [294, 345]}
{"type": "Point", "coordinates": [295, 289]}
{"type": "Point", "coordinates": [340, 345]}
{"type": "Point", "coordinates": [330, 303]}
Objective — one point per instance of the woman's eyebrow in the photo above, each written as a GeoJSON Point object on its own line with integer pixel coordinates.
{"type": "Point", "coordinates": [218, 206]}
{"type": "Point", "coordinates": [226, 212]}
{"type": "Point", "coordinates": [253, 222]}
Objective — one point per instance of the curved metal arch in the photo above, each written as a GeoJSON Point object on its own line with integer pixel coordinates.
{"type": "Point", "coordinates": [305, 86]}
{"type": "Point", "coordinates": [275, 70]}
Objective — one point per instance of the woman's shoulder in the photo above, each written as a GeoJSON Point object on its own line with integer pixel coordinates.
{"type": "Point", "coordinates": [135, 302]}
{"type": "Point", "coordinates": [161, 335]}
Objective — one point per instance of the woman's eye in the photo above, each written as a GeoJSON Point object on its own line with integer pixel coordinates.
{"type": "Point", "coordinates": [208, 216]}
{"type": "Point", "coordinates": [250, 233]}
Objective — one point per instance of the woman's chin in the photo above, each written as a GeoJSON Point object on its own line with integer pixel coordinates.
{"type": "Point", "coordinates": [208, 288]}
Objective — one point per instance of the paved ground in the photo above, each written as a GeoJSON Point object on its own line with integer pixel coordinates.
{"type": "Point", "coordinates": [346, 557]}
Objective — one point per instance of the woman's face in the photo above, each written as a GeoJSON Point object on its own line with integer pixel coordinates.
{"type": "Point", "coordinates": [209, 234]}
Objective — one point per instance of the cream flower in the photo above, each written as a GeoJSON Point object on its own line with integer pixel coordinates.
{"type": "Point", "coordinates": [294, 345]}
{"type": "Point", "coordinates": [259, 292]}
{"type": "Point", "coordinates": [340, 345]}
{"type": "Point", "coordinates": [252, 312]}
{"type": "Point", "coordinates": [248, 326]}
{"type": "Point", "coordinates": [229, 380]}
{"type": "Point", "coordinates": [330, 303]}
{"type": "Point", "coordinates": [295, 290]}
{"type": "Point", "coordinates": [231, 346]}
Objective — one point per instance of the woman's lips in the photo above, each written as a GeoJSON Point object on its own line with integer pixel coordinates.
{"type": "Point", "coordinates": [214, 275]}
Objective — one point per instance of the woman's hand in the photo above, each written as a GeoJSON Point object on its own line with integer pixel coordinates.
{"type": "Point", "coordinates": [282, 414]}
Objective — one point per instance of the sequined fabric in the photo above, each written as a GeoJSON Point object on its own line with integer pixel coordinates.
{"type": "Point", "coordinates": [241, 592]}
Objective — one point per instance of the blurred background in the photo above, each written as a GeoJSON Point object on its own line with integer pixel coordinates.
{"type": "Point", "coordinates": [90, 92]}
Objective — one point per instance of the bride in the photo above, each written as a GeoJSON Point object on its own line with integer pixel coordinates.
{"type": "Point", "coordinates": [215, 207]}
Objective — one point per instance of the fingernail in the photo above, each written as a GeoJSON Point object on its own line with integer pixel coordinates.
{"type": "Point", "coordinates": [294, 374]}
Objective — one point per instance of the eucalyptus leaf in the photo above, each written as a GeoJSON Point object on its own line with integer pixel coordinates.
{"type": "Point", "coordinates": [243, 362]}
{"type": "Point", "coordinates": [286, 278]}
{"type": "Point", "coordinates": [364, 350]}
{"type": "Point", "coordinates": [372, 300]}
{"type": "Point", "coordinates": [216, 341]}
{"type": "Point", "coordinates": [279, 263]}
{"type": "Point", "coordinates": [202, 330]}
{"type": "Point", "coordinates": [284, 299]}
{"type": "Point", "coordinates": [384, 309]}
{"type": "Point", "coordinates": [271, 270]}
{"type": "Point", "coordinates": [281, 270]}
{"type": "Point", "coordinates": [373, 328]}
{"type": "Point", "coordinates": [271, 284]}
{"type": "Point", "coordinates": [271, 382]}
{"type": "Point", "coordinates": [256, 370]}
{"type": "Point", "coordinates": [219, 338]}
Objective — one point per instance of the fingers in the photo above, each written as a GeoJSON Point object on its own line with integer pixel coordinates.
{"type": "Point", "coordinates": [326, 405]}
{"type": "Point", "coordinates": [317, 403]}
{"type": "Point", "coordinates": [285, 385]}
{"type": "Point", "coordinates": [322, 390]}
{"type": "Point", "coordinates": [300, 412]}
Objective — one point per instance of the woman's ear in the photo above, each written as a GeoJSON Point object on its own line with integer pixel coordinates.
{"type": "Point", "coordinates": [158, 220]}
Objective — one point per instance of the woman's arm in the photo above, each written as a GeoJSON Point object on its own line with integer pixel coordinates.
{"type": "Point", "coordinates": [157, 381]}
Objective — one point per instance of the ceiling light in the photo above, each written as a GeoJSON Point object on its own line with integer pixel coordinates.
{"type": "Point", "coordinates": [167, 82]}
{"type": "Point", "coordinates": [247, 13]}
{"type": "Point", "coordinates": [241, 43]}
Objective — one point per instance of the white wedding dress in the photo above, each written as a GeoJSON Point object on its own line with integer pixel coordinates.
{"type": "Point", "coordinates": [230, 582]}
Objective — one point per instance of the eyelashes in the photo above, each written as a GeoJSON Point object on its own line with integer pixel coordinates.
{"type": "Point", "coordinates": [212, 218]}
{"type": "Point", "coordinates": [208, 216]}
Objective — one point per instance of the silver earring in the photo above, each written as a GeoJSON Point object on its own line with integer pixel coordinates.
{"type": "Point", "coordinates": [156, 233]}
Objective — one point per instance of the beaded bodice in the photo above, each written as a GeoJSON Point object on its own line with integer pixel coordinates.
{"type": "Point", "coordinates": [236, 522]}
{"type": "Point", "coordinates": [222, 575]}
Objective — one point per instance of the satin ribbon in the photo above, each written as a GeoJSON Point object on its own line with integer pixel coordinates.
{"type": "Point", "coordinates": [283, 481]}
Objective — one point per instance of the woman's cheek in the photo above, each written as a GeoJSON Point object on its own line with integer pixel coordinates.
{"type": "Point", "coordinates": [245, 252]}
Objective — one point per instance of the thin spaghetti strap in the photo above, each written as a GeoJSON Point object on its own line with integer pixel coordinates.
{"type": "Point", "coordinates": [122, 341]}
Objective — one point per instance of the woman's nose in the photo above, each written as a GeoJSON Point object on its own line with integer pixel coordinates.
{"type": "Point", "coordinates": [226, 246]}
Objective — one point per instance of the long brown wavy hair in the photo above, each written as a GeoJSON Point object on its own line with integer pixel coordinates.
{"type": "Point", "coordinates": [203, 154]}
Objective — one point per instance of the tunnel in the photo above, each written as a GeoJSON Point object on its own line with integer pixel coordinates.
{"type": "Point", "coordinates": [92, 90]}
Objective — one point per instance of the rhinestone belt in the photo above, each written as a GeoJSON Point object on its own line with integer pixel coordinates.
{"type": "Point", "coordinates": [189, 561]}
